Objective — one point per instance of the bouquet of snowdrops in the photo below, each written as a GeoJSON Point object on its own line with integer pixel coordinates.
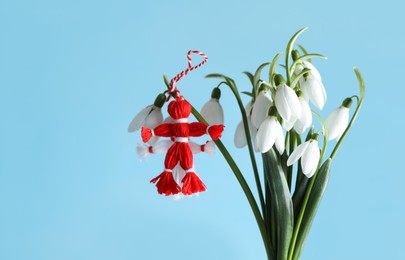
{"type": "Point", "coordinates": [277, 123]}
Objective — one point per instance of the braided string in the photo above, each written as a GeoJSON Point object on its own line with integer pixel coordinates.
{"type": "Point", "coordinates": [190, 67]}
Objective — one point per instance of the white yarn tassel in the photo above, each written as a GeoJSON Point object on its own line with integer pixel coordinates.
{"type": "Point", "coordinates": [162, 146]}
{"type": "Point", "coordinates": [209, 148]}
{"type": "Point", "coordinates": [195, 148]}
{"type": "Point", "coordinates": [142, 150]}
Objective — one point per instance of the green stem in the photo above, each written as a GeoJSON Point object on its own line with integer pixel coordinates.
{"type": "Point", "coordinates": [250, 146]}
{"type": "Point", "coordinates": [231, 84]}
{"type": "Point", "coordinates": [245, 187]}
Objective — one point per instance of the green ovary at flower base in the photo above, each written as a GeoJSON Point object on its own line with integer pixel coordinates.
{"type": "Point", "coordinates": [273, 122]}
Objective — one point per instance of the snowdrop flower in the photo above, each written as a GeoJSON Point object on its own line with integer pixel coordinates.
{"type": "Point", "coordinates": [240, 135]}
{"type": "Point", "coordinates": [261, 108]}
{"type": "Point", "coordinates": [311, 85]}
{"type": "Point", "coordinates": [287, 102]}
{"type": "Point", "coordinates": [338, 120]}
{"type": "Point", "coordinates": [305, 121]}
{"type": "Point", "coordinates": [212, 110]}
{"type": "Point", "coordinates": [309, 153]}
{"type": "Point", "coordinates": [270, 133]}
{"type": "Point", "coordinates": [150, 117]}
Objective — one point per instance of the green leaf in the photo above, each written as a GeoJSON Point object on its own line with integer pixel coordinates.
{"type": "Point", "coordinates": [256, 78]}
{"type": "Point", "coordinates": [280, 203]}
{"type": "Point", "coordinates": [247, 93]}
{"type": "Point", "coordinates": [272, 70]}
{"type": "Point", "coordinates": [166, 81]}
{"type": "Point", "coordinates": [302, 49]}
{"type": "Point", "coordinates": [215, 75]}
{"type": "Point", "coordinates": [297, 78]}
{"type": "Point", "coordinates": [318, 189]}
{"type": "Point", "coordinates": [361, 83]}
{"type": "Point", "coordinates": [288, 53]}
{"type": "Point", "coordinates": [250, 76]}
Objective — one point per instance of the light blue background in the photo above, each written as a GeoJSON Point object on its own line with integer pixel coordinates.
{"type": "Point", "coordinates": [74, 73]}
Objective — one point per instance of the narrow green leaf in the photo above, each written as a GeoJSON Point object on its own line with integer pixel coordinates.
{"type": "Point", "coordinates": [297, 78]}
{"type": "Point", "coordinates": [256, 78]}
{"type": "Point", "coordinates": [318, 189]}
{"type": "Point", "coordinates": [215, 75]}
{"type": "Point", "coordinates": [288, 53]}
{"type": "Point", "coordinates": [361, 83]}
{"type": "Point", "coordinates": [247, 93]}
{"type": "Point", "coordinates": [302, 49]}
{"type": "Point", "coordinates": [280, 203]}
{"type": "Point", "coordinates": [166, 81]}
{"type": "Point", "coordinates": [272, 70]}
{"type": "Point", "coordinates": [250, 76]}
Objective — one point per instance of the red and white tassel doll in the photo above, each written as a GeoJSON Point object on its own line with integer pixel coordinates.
{"type": "Point", "coordinates": [180, 152]}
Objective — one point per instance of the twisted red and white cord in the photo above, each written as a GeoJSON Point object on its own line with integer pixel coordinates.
{"type": "Point", "coordinates": [190, 67]}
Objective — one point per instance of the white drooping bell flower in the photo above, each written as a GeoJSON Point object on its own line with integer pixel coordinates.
{"type": "Point", "coordinates": [212, 110]}
{"type": "Point", "coordinates": [261, 108]}
{"type": "Point", "coordinates": [240, 135]}
{"type": "Point", "coordinates": [270, 133]}
{"type": "Point", "coordinates": [337, 121]}
{"type": "Point", "coordinates": [150, 117]}
{"type": "Point", "coordinates": [311, 84]}
{"type": "Point", "coordinates": [309, 153]}
{"type": "Point", "coordinates": [305, 121]}
{"type": "Point", "coordinates": [287, 102]}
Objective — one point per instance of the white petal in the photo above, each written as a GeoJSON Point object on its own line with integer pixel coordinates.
{"type": "Point", "coordinates": [139, 119]}
{"type": "Point", "coordinates": [168, 120]}
{"type": "Point", "coordinates": [317, 93]}
{"type": "Point", "coordinates": [154, 119]}
{"type": "Point", "coordinates": [260, 108]}
{"type": "Point", "coordinates": [280, 145]}
{"type": "Point", "coordinates": [281, 102]}
{"type": "Point", "coordinates": [314, 72]}
{"type": "Point", "coordinates": [266, 135]}
{"type": "Point", "coordinates": [297, 153]}
{"type": "Point", "coordinates": [306, 117]}
{"type": "Point", "coordinates": [310, 158]}
{"type": "Point", "coordinates": [311, 173]}
{"type": "Point", "coordinates": [212, 112]}
{"type": "Point", "coordinates": [337, 122]}
{"type": "Point", "coordinates": [294, 103]}
{"type": "Point", "coordinates": [162, 146]}
{"type": "Point", "coordinates": [287, 125]}
{"type": "Point", "coordinates": [240, 137]}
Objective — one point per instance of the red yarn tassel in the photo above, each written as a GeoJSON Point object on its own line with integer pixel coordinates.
{"type": "Point", "coordinates": [146, 134]}
{"type": "Point", "coordinates": [215, 131]}
{"type": "Point", "coordinates": [192, 184]}
{"type": "Point", "coordinates": [166, 184]}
